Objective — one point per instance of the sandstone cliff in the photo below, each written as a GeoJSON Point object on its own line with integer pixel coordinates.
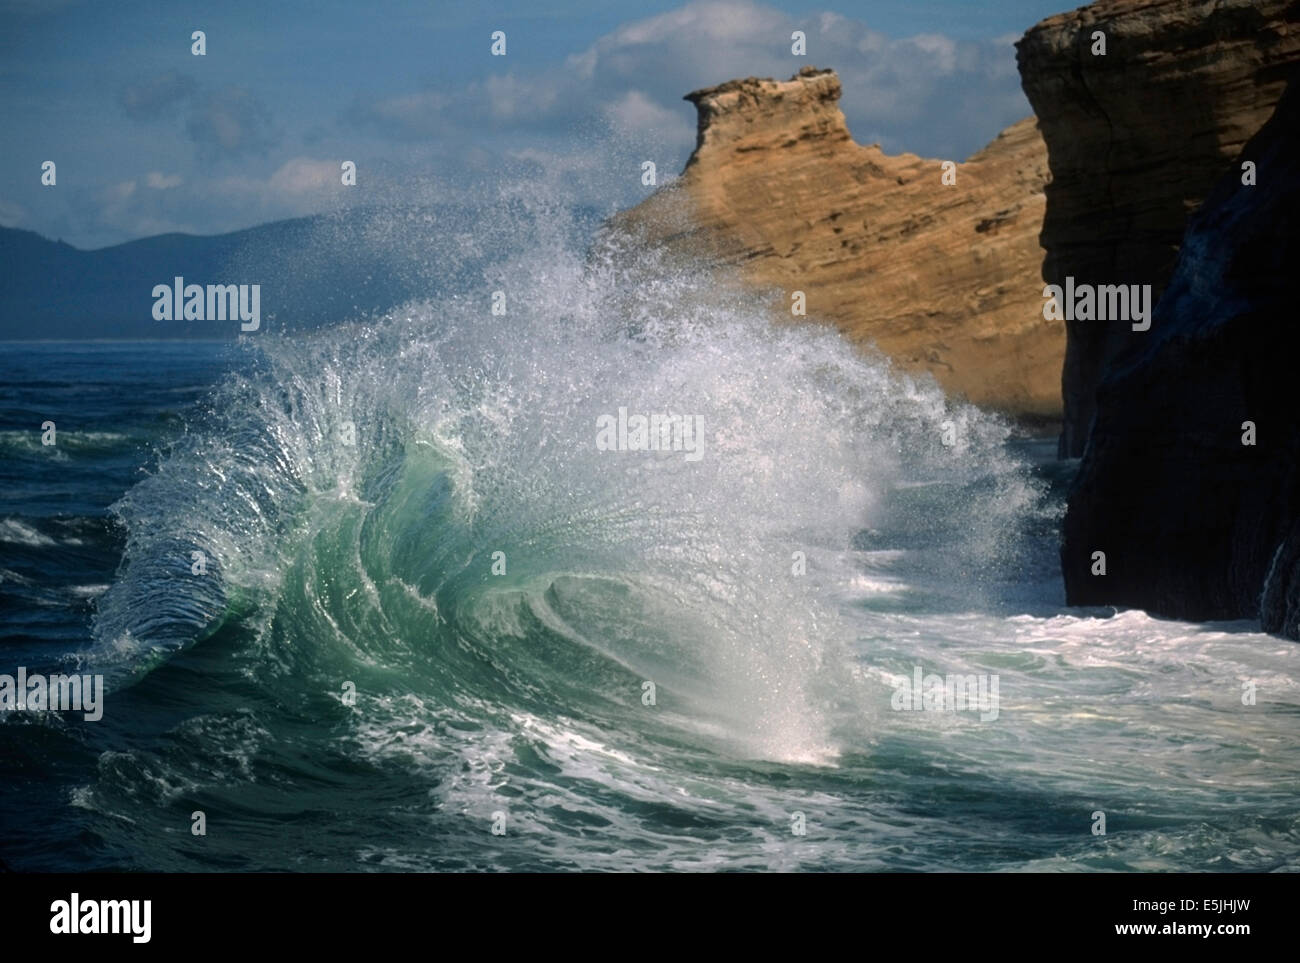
{"type": "Point", "coordinates": [1135, 139]}
{"type": "Point", "coordinates": [1195, 523]}
{"type": "Point", "coordinates": [943, 279]}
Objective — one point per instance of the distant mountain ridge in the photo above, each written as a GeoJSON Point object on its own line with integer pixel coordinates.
{"type": "Point", "coordinates": [312, 271]}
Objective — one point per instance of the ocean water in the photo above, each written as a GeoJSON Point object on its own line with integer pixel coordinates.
{"type": "Point", "coordinates": [433, 612]}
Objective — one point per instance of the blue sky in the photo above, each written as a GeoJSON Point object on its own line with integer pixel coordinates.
{"type": "Point", "coordinates": [149, 138]}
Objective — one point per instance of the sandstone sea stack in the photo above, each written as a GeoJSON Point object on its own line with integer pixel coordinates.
{"type": "Point", "coordinates": [1136, 137]}
{"type": "Point", "coordinates": [943, 279]}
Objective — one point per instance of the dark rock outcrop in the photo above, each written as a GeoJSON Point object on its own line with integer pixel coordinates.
{"type": "Point", "coordinates": [1136, 138]}
{"type": "Point", "coordinates": [1194, 523]}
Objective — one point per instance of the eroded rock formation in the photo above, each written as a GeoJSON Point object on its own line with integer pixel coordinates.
{"type": "Point", "coordinates": [943, 279]}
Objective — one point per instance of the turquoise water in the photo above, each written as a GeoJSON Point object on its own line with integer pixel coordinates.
{"type": "Point", "coordinates": [431, 606]}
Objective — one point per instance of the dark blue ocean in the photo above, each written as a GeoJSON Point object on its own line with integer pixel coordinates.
{"type": "Point", "coordinates": [375, 598]}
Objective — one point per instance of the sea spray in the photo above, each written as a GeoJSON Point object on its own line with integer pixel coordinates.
{"type": "Point", "coordinates": [351, 487]}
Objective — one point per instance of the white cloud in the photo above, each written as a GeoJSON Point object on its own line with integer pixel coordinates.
{"type": "Point", "coordinates": [511, 97]}
{"type": "Point", "coordinates": [597, 112]}
{"type": "Point", "coordinates": [929, 93]}
{"type": "Point", "coordinates": [621, 96]}
{"type": "Point", "coordinates": [161, 182]}
{"type": "Point", "coordinates": [420, 111]}
{"type": "Point", "coordinates": [302, 175]}
{"type": "Point", "coordinates": [635, 112]}
{"type": "Point", "coordinates": [941, 51]}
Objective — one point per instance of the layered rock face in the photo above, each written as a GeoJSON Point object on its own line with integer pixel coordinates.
{"type": "Point", "coordinates": [1195, 523]}
{"type": "Point", "coordinates": [944, 279]}
{"type": "Point", "coordinates": [1136, 137]}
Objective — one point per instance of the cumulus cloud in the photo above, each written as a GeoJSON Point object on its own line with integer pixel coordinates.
{"type": "Point", "coordinates": [599, 111]}
{"type": "Point", "coordinates": [929, 93]}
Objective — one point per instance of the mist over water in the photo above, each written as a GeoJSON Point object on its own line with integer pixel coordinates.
{"type": "Point", "coordinates": [355, 494]}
